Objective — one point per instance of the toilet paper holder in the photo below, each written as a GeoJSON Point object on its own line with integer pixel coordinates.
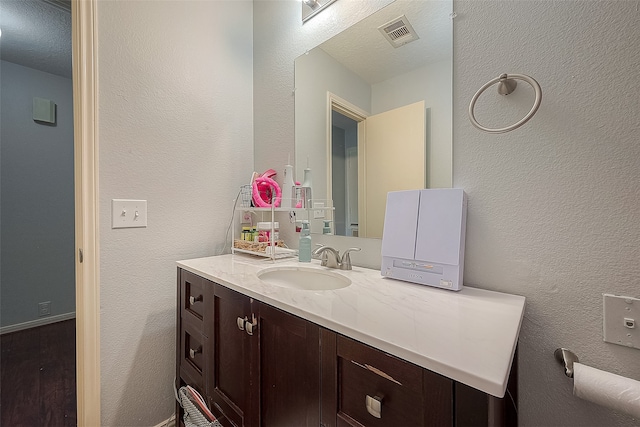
{"type": "Point", "coordinates": [566, 358]}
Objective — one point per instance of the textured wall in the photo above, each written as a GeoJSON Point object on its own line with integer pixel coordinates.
{"type": "Point", "coordinates": [553, 207]}
{"type": "Point", "coordinates": [37, 230]}
{"type": "Point", "coordinates": [175, 112]}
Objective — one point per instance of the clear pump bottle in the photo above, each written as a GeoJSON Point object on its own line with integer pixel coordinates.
{"type": "Point", "coordinates": [304, 247]}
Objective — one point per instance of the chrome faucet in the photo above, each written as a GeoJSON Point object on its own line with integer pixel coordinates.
{"type": "Point", "coordinates": [331, 258]}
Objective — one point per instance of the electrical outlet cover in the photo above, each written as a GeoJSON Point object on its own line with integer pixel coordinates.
{"type": "Point", "coordinates": [44, 308]}
{"type": "Point", "coordinates": [621, 320]}
{"type": "Point", "coordinates": [318, 213]}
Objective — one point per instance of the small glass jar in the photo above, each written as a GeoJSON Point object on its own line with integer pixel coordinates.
{"type": "Point", "coordinates": [246, 233]}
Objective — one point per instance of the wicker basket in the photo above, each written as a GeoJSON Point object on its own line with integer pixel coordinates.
{"type": "Point", "coordinates": [257, 247]}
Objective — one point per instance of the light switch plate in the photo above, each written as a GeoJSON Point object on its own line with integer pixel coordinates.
{"type": "Point", "coordinates": [621, 320]}
{"type": "Point", "coordinates": [127, 213]}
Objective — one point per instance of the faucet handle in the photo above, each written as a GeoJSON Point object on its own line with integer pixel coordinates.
{"type": "Point", "coordinates": [345, 263]}
{"type": "Point", "coordinates": [322, 256]}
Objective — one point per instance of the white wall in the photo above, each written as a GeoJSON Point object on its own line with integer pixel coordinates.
{"type": "Point", "coordinates": [319, 73]}
{"type": "Point", "coordinates": [553, 207]}
{"type": "Point", "coordinates": [175, 128]}
{"type": "Point", "coordinates": [37, 232]}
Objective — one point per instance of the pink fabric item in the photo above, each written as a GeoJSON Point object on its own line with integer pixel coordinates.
{"type": "Point", "coordinates": [263, 188]}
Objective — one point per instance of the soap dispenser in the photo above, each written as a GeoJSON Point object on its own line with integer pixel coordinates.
{"type": "Point", "coordinates": [326, 229]}
{"type": "Point", "coordinates": [304, 247]}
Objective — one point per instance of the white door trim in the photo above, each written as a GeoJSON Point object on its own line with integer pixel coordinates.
{"type": "Point", "coordinates": [85, 123]}
{"type": "Point", "coordinates": [346, 108]}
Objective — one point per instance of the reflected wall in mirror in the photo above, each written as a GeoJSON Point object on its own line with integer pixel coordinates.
{"type": "Point", "coordinates": [371, 117]}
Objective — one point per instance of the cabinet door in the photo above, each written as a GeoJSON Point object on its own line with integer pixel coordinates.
{"type": "Point", "coordinates": [289, 369]}
{"type": "Point", "coordinates": [233, 353]}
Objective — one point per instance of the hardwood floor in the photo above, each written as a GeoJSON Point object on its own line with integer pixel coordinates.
{"type": "Point", "coordinates": [38, 376]}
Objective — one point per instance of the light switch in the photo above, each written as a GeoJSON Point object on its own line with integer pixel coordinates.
{"type": "Point", "coordinates": [619, 320]}
{"type": "Point", "coordinates": [127, 213]}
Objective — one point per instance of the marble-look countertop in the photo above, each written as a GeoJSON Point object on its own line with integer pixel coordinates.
{"type": "Point", "coordinates": [469, 336]}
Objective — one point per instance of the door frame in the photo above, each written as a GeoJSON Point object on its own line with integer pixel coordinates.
{"type": "Point", "coordinates": [346, 108]}
{"type": "Point", "coordinates": [85, 124]}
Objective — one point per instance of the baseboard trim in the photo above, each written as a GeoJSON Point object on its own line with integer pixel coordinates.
{"type": "Point", "coordinates": [38, 322]}
{"type": "Point", "coordinates": [169, 422]}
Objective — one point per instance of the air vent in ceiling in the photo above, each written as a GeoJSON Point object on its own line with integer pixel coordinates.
{"type": "Point", "coordinates": [398, 32]}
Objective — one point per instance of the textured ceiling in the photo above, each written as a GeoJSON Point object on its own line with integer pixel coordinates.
{"type": "Point", "coordinates": [37, 35]}
{"type": "Point", "coordinates": [365, 51]}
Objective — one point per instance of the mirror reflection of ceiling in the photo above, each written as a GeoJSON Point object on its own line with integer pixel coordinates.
{"type": "Point", "coordinates": [37, 34]}
{"type": "Point", "coordinates": [366, 52]}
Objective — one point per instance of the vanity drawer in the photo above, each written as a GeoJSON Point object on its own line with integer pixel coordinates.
{"type": "Point", "coordinates": [193, 354]}
{"type": "Point", "coordinates": [195, 299]}
{"type": "Point", "coordinates": [376, 389]}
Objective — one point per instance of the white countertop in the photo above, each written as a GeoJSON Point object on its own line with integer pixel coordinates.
{"type": "Point", "coordinates": [469, 336]}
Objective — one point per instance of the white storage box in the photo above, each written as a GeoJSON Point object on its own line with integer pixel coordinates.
{"type": "Point", "coordinates": [423, 237]}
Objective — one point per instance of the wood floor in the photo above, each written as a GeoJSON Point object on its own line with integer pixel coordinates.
{"type": "Point", "coordinates": [38, 376]}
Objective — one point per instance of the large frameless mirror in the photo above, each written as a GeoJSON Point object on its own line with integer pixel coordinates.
{"type": "Point", "coordinates": [373, 109]}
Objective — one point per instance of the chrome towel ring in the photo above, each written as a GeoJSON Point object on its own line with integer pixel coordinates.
{"type": "Point", "coordinates": [507, 84]}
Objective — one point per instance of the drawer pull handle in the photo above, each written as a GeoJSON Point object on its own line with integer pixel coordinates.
{"type": "Point", "coordinates": [374, 405]}
{"type": "Point", "coordinates": [192, 352]}
{"type": "Point", "coordinates": [193, 300]}
{"type": "Point", "coordinates": [250, 327]}
{"type": "Point", "coordinates": [240, 321]}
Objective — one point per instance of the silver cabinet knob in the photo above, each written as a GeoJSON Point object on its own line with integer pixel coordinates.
{"type": "Point", "coordinates": [251, 327]}
{"type": "Point", "coordinates": [374, 405]}
{"type": "Point", "coordinates": [192, 352]}
{"type": "Point", "coordinates": [193, 300]}
{"type": "Point", "coordinates": [240, 321]}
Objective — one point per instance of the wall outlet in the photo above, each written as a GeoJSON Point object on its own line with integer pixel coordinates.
{"type": "Point", "coordinates": [44, 308]}
{"type": "Point", "coordinates": [318, 213]}
{"type": "Point", "coordinates": [621, 320]}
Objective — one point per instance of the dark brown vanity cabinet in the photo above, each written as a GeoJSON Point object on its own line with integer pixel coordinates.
{"type": "Point", "coordinates": [260, 366]}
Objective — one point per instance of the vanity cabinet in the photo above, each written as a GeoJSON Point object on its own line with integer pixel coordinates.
{"type": "Point", "coordinates": [257, 365]}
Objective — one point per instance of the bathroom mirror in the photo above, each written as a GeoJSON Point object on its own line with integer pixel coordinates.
{"type": "Point", "coordinates": [373, 113]}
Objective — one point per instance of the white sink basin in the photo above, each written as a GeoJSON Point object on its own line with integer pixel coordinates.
{"type": "Point", "coordinates": [303, 278]}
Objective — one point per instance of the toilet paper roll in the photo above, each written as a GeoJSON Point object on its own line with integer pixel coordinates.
{"type": "Point", "coordinates": [604, 388]}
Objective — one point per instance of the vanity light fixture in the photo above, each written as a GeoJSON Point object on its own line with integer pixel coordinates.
{"type": "Point", "coordinates": [311, 7]}
{"type": "Point", "coordinates": [311, 3]}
